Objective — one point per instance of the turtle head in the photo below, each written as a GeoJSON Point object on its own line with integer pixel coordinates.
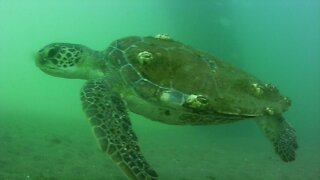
{"type": "Point", "coordinates": [69, 61]}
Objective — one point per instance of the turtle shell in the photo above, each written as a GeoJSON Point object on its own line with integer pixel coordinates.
{"type": "Point", "coordinates": [171, 64]}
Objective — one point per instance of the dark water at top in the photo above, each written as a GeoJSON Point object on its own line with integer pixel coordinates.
{"type": "Point", "coordinates": [44, 133]}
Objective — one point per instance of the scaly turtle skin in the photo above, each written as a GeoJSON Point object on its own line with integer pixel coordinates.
{"type": "Point", "coordinates": [166, 81]}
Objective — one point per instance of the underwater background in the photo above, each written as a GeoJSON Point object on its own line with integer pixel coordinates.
{"type": "Point", "coordinates": [44, 134]}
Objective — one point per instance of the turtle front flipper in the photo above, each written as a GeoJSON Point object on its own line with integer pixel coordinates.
{"type": "Point", "coordinates": [281, 134]}
{"type": "Point", "coordinates": [111, 124]}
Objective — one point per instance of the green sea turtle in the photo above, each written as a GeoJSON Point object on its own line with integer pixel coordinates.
{"type": "Point", "coordinates": [166, 81]}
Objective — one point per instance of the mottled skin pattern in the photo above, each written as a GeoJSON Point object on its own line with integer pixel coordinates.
{"type": "Point", "coordinates": [281, 134]}
{"type": "Point", "coordinates": [110, 121]}
{"type": "Point", "coordinates": [165, 81]}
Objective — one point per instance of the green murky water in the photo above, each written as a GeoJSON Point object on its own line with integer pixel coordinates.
{"type": "Point", "coordinates": [43, 132]}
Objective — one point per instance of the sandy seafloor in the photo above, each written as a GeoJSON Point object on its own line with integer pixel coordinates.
{"type": "Point", "coordinates": [49, 150]}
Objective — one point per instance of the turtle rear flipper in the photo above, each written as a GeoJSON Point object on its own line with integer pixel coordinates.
{"type": "Point", "coordinates": [112, 127]}
{"type": "Point", "coordinates": [281, 134]}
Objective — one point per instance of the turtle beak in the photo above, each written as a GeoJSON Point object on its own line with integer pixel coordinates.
{"type": "Point", "coordinates": [38, 59]}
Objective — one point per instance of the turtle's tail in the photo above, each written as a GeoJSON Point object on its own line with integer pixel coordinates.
{"type": "Point", "coordinates": [281, 134]}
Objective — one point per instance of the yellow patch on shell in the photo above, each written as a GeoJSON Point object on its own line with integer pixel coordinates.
{"type": "Point", "coordinates": [162, 36]}
{"type": "Point", "coordinates": [269, 111]}
{"type": "Point", "coordinates": [144, 57]}
{"type": "Point", "coordinates": [165, 97]}
{"type": "Point", "coordinates": [258, 89]}
{"type": "Point", "coordinates": [196, 101]}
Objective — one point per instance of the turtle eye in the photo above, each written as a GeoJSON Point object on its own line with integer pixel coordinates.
{"type": "Point", "coordinates": [52, 52]}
